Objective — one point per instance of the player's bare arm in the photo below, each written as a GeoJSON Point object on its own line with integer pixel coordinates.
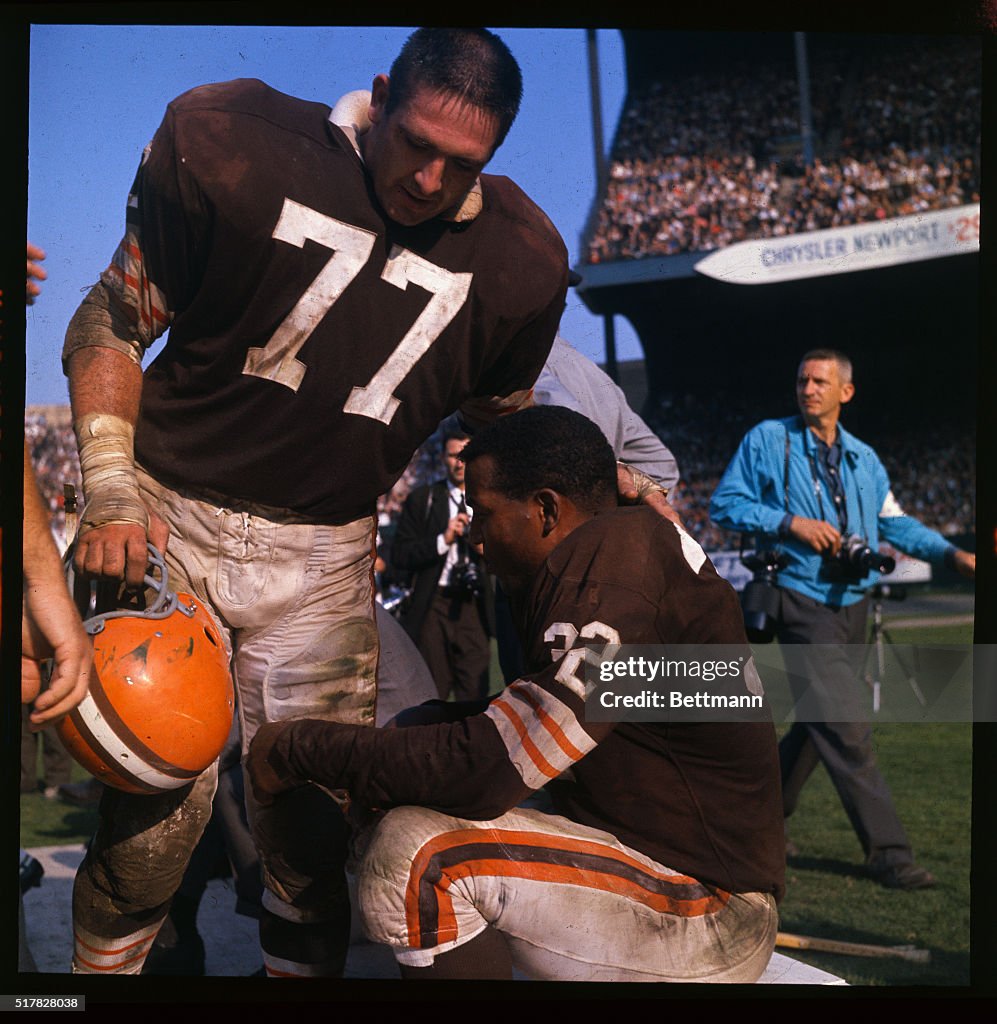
{"type": "Point", "coordinates": [50, 624]}
{"type": "Point", "coordinates": [105, 387]}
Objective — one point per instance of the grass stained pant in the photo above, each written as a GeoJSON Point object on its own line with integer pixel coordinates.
{"type": "Point", "coordinates": [573, 903]}
{"type": "Point", "coordinates": [294, 602]}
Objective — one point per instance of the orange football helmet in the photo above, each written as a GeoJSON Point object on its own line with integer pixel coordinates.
{"type": "Point", "coordinates": [161, 708]}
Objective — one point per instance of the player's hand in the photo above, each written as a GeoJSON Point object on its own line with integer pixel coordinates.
{"type": "Point", "coordinates": [51, 628]}
{"type": "Point", "coordinates": [118, 550]}
{"type": "Point", "coordinates": [965, 564]}
{"type": "Point", "coordinates": [34, 273]}
{"type": "Point", "coordinates": [636, 488]}
{"type": "Point", "coordinates": [820, 535]}
{"type": "Point", "coordinates": [267, 764]}
{"type": "Point", "coordinates": [457, 527]}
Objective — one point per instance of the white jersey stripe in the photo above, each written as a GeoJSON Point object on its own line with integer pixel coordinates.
{"type": "Point", "coordinates": [541, 735]}
{"type": "Point", "coordinates": [554, 717]}
{"type": "Point", "coordinates": [117, 753]}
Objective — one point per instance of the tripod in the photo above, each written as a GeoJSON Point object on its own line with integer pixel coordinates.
{"type": "Point", "coordinates": [879, 636]}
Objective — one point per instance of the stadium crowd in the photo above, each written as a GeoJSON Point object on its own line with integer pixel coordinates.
{"type": "Point", "coordinates": [940, 491]}
{"type": "Point", "coordinates": [712, 159]}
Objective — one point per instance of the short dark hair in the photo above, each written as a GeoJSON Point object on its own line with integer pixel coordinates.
{"type": "Point", "coordinates": [548, 446]}
{"type": "Point", "coordinates": [454, 434]}
{"type": "Point", "coordinates": [833, 355]}
{"type": "Point", "coordinates": [470, 64]}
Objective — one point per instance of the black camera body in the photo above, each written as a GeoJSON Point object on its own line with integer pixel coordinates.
{"type": "Point", "coordinates": [466, 577]}
{"type": "Point", "coordinates": [854, 561]}
{"type": "Point", "coordinates": [760, 598]}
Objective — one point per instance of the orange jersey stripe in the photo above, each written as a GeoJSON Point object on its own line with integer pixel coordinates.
{"type": "Point", "coordinates": [549, 723]}
{"type": "Point", "coordinates": [542, 764]}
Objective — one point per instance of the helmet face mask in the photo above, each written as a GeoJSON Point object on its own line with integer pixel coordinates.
{"type": "Point", "coordinates": [99, 601]}
{"type": "Point", "coordinates": [161, 708]}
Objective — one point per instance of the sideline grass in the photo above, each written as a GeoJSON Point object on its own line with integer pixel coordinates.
{"type": "Point", "coordinates": [929, 770]}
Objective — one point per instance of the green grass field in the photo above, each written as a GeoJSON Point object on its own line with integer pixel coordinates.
{"type": "Point", "coordinates": [929, 770]}
{"type": "Point", "coordinates": [928, 767]}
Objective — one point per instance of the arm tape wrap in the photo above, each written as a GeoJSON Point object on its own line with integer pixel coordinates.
{"type": "Point", "coordinates": [106, 445]}
{"type": "Point", "coordinates": [642, 483]}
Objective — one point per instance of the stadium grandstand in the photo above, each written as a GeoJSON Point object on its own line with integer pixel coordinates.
{"type": "Point", "coordinates": [768, 193]}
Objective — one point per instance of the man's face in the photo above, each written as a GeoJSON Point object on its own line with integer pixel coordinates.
{"type": "Point", "coordinates": [509, 530]}
{"type": "Point", "coordinates": [820, 391]}
{"type": "Point", "coordinates": [451, 456]}
{"type": "Point", "coordinates": [425, 155]}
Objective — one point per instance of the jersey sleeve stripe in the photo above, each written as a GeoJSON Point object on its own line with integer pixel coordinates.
{"type": "Point", "coordinates": [533, 767]}
{"type": "Point", "coordinates": [555, 717]}
{"type": "Point", "coordinates": [540, 732]}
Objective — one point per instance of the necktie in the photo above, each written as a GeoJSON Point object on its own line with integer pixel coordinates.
{"type": "Point", "coordinates": [461, 542]}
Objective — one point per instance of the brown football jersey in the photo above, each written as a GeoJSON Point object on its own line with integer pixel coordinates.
{"type": "Point", "coordinates": [698, 797]}
{"type": "Point", "coordinates": [313, 343]}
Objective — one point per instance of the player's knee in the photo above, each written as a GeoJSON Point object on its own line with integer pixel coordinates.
{"type": "Point", "coordinates": [142, 848]}
{"type": "Point", "coordinates": [302, 839]}
{"type": "Point", "coordinates": [385, 874]}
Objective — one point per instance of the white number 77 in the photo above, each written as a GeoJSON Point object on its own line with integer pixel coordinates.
{"type": "Point", "coordinates": [277, 360]}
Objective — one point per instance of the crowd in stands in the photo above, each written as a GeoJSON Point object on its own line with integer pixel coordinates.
{"type": "Point", "coordinates": [700, 162]}
{"type": "Point", "coordinates": [938, 487]}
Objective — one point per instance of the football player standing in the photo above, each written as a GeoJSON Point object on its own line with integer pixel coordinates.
{"type": "Point", "coordinates": [331, 293]}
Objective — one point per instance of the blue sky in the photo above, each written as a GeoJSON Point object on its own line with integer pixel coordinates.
{"type": "Point", "coordinates": [98, 93]}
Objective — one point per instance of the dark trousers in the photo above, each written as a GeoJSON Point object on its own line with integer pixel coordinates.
{"type": "Point", "coordinates": [825, 687]}
{"type": "Point", "coordinates": [454, 642]}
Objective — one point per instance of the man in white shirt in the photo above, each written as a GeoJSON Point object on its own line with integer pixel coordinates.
{"type": "Point", "coordinates": [451, 614]}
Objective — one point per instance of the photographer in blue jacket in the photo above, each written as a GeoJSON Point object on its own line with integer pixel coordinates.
{"type": "Point", "coordinates": [820, 500]}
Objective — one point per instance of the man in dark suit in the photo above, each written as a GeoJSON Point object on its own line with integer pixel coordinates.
{"type": "Point", "coordinates": [451, 613]}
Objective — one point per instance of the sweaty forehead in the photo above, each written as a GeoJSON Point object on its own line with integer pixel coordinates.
{"type": "Point", "coordinates": [450, 123]}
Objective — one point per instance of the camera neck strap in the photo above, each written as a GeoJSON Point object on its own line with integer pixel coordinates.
{"type": "Point", "coordinates": [832, 459]}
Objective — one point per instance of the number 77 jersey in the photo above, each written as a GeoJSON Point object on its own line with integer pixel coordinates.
{"type": "Point", "coordinates": [313, 343]}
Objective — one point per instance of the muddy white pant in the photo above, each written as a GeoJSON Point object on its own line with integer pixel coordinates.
{"type": "Point", "coordinates": [295, 604]}
{"type": "Point", "coordinates": [572, 902]}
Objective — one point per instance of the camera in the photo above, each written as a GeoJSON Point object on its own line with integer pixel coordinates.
{"type": "Point", "coordinates": [760, 598]}
{"type": "Point", "coordinates": [854, 561]}
{"type": "Point", "coordinates": [466, 577]}
{"type": "Point", "coordinates": [395, 599]}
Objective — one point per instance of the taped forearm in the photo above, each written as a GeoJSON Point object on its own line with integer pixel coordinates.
{"type": "Point", "coordinates": [639, 485]}
{"type": "Point", "coordinates": [102, 321]}
{"type": "Point", "coordinates": [107, 462]}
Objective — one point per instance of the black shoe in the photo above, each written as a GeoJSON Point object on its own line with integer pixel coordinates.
{"type": "Point", "coordinates": [903, 876]}
{"type": "Point", "coordinates": [174, 954]}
